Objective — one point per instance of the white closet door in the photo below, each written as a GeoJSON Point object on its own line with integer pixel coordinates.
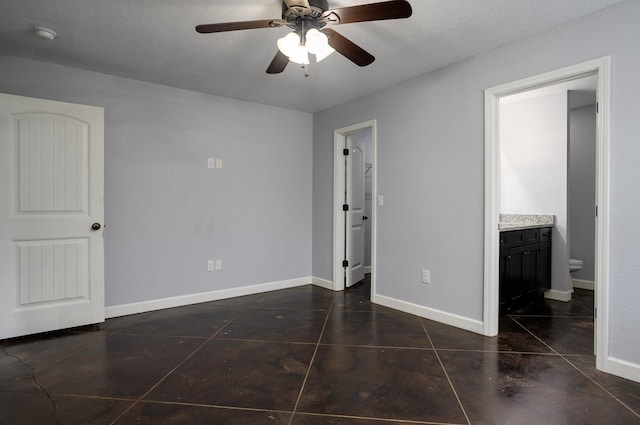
{"type": "Point", "coordinates": [51, 215]}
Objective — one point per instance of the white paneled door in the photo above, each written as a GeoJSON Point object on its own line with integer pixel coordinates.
{"type": "Point", "coordinates": [51, 215]}
{"type": "Point", "coordinates": [355, 219]}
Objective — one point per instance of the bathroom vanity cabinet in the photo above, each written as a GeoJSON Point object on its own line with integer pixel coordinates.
{"type": "Point", "coordinates": [525, 266]}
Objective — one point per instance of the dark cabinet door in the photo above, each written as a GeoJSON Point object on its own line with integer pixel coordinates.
{"type": "Point", "coordinates": [504, 266]}
{"type": "Point", "coordinates": [525, 266]}
{"type": "Point", "coordinates": [544, 268]}
{"type": "Point", "coordinates": [530, 270]}
{"type": "Point", "coordinates": [515, 271]}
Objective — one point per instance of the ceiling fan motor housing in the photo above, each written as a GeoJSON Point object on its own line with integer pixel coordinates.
{"type": "Point", "coordinates": [295, 12]}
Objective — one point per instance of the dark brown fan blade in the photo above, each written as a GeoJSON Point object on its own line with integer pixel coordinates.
{"type": "Point", "coordinates": [395, 9]}
{"type": "Point", "coordinates": [235, 26]}
{"type": "Point", "coordinates": [348, 49]}
{"type": "Point", "coordinates": [278, 64]}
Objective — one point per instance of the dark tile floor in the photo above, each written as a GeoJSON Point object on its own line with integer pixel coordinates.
{"type": "Point", "coordinates": [310, 356]}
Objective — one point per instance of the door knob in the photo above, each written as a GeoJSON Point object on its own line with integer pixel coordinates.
{"type": "Point", "coordinates": [95, 226]}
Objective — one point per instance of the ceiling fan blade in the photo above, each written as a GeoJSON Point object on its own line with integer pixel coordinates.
{"type": "Point", "coordinates": [278, 64]}
{"type": "Point", "coordinates": [395, 9]}
{"type": "Point", "coordinates": [235, 26]}
{"type": "Point", "coordinates": [348, 49]}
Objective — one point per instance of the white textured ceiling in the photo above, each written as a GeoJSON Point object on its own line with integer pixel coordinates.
{"type": "Point", "coordinates": [155, 40]}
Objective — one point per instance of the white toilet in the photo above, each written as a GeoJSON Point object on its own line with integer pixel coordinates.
{"type": "Point", "coordinates": [574, 265]}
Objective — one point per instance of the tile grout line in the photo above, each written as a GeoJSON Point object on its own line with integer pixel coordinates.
{"type": "Point", "coordinates": [388, 347]}
{"type": "Point", "coordinates": [313, 357]}
{"type": "Point", "coordinates": [216, 406]}
{"type": "Point", "coordinates": [374, 419]}
{"type": "Point", "coordinates": [562, 356]}
{"type": "Point", "coordinates": [553, 351]}
{"type": "Point", "coordinates": [600, 386]}
{"type": "Point", "coordinates": [176, 367]}
{"type": "Point", "coordinates": [453, 388]}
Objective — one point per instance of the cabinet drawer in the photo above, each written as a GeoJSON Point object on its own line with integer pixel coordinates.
{"type": "Point", "coordinates": [512, 238]}
{"type": "Point", "coordinates": [532, 235]}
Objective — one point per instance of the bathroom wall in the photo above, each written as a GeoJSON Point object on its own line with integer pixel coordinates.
{"type": "Point", "coordinates": [582, 187]}
{"type": "Point", "coordinates": [533, 168]}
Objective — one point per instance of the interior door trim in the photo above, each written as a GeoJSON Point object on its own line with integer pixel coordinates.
{"type": "Point", "coordinates": [601, 68]}
{"type": "Point", "coordinates": [339, 140]}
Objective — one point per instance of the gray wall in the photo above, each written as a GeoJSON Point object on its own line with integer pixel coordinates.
{"type": "Point", "coordinates": [582, 188]}
{"type": "Point", "coordinates": [166, 214]}
{"type": "Point", "coordinates": [431, 168]}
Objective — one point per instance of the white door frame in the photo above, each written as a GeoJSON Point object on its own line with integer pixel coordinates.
{"type": "Point", "coordinates": [601, 68]}
{"type": "Point", "coordinates": [339, 140]}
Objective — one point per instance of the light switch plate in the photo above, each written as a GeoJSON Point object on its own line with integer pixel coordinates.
{"type": "Point", "coordinates": [426, 276]}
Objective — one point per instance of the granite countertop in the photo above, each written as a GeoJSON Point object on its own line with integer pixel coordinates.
{"type": "Point", "coordinates": [524, 221]}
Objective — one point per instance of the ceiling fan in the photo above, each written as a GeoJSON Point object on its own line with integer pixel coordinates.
{"type": "Point", "coordinates": [308, 19]}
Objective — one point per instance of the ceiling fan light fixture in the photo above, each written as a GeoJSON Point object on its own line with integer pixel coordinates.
{"type": "Point", "coordinates": [318, 44]}
{"type": "Point", "coordinates": [300, 57]}
{"type": "Point", "coordinates": [315, 41]}
{"type": "Point", "coordinates": [289, 45]}
{"type": "Point", "coordinates": [324, 53]}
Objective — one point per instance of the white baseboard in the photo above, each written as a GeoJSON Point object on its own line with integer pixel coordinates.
{"type": "Point", "coordinates": [554, 294]}
{"type": "Point", "coordinates": [182, 300]}
{"type": "Point", "coordinates": [623, 369]}
{"type": "Point", "coordinates": [323, 283]}
{"type": "Point", "coordinates": [584, 284]}
{"type": "Point", "coordinates": [367, 269]}
{"type": "Point", "coordinates": [454, 320]}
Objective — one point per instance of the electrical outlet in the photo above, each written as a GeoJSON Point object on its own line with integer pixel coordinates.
{"type": "Point", "coordinates": [426, 276]}
{"type": "Point", "coordinates": [218, 163]}
{"type": "Point", "coordinates": [210, 266]}
{"type": "Point", "coordinates": [218, 264]}
{"type": "Point", "coordinates": [211, 163]}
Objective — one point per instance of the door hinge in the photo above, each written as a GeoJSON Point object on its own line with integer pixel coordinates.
{"type": "Point", "coordinates": [345, 263]}
{"type": "Point", "coordinates": [345, 152]}
{"type": "Point", "coordinates": [597, 107]}
{"type": "Point", "coordinates": [345, 207]}
{"type": "Point", "coordinates": [596, 210]}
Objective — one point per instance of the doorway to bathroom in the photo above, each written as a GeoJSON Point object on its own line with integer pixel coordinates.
{"type": "Point", "coordinates": [497, 171]}
{"type": "Point", "coordinates": [547, 168]}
